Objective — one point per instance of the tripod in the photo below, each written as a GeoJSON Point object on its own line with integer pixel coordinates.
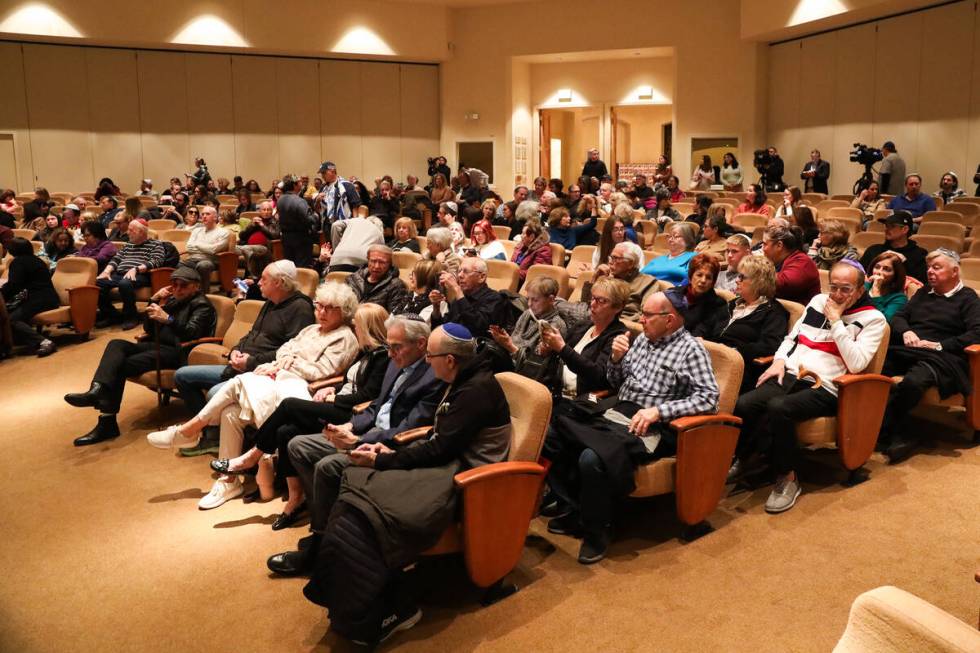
{"type": "Point", "coordinates": [865, 180]}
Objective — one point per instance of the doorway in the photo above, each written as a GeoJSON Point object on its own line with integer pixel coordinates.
{"type": "Point", "coordinates": [564, 137]}
{"type": "Point", "coordinates": [639, 135]}
{"type": "Point", "coordinates": [477, 154]}
{"type": "Point", "coordinates": [714, 148]}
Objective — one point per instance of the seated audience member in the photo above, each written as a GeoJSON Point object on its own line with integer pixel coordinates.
{"type": "Point", "coordinates": [27, 292]}
{"type": "Point", "coordinates": [737, 247]}
{"type": "Point", "coordinates": [286, 312]}
{"type": "Point", "coordinates": [562, 232]}
{"type": "Point", "coordinates": [661, 211]}
{"type": "Point", "coordinates": [109, 206]}
{"type": "Point", "coordinates": [471, 302]}
{"type": "Point", "coordinates": [755, 323]}
{"type": "Point", "coordinates": [128, 270]}
{"type": "Point", "coordinates": [119, 228]}
{"type": "Point", "coordinates": [379, 282]}
{"type": "Point", "coordinates": [294, 416]}
{"type": "Point", "coordinates": [97, 245]}
{"type": "Point", "coordinates": [534, 248]}
{"type": "Point", "coordinates": [229, 222]}
{"type": "Point", "coordinates": [423, 279]}
{"type": "Point", "coordinates": [673, 187]}
{"type": "Point", "coordinates": [385, 205]}
{"type": "Point", "coordinates": [838, 334]}
{"type": "Point", "coordinates": [485, 243]}
{"type": "Point", "coordinates": [406, 236]}
{"type": "Point", "coordinates": [913, 201]}
{"type": "Point", "coordinates": [624, 264]}
{"type": "Point", "coordinates": [792, 198]}
{"type": "Point", "coordinates": [797, 278]}
{"type": "Point", "coordinates": [524, 343]}
{"type": "Point", "coordinates": [356, 235]}
{"type": "Point", "coordinates": [319, 351]}
{"type": "Point", "coordinates": [898, 232]}
{"type": "Point", "coordinates": [625, 213]}
{"type": "Point", "coordinates": [37, 207]}
{"type": "Point", "coordinates": [458, 238]}
{"type": "Point", "coordinates": [755, 202]}
{"type": "Point", "coordinates": [361, 586]}
{"type": "Point", "coordinates": [701, 206]}
{"type": "Point", "coordinates": [60, 245]}
{"type": "Point", "coordinates": [441, 191]}
{"type": "Point", "coordinates": [524, 211]}
{"type": "Point", "coordinates": [949, 188]}
{"type": "Point", "coordinates": [71, 217]}
{"type": "Point", "coordinates": [886, 283]}
{"type": "Point", "coordinates": [190, 221]}
{"type": "Point", "coordinates": [244, 199]}
{"type": "Point", "coordinates": [869, 201]}
{"type": "Point", "coordinates": [803, 218]}
{"type": "Point", "coordinates": [672, 266]}
{"type": "Point", "coordinates": [9, 203]}
{"type": "Point", "coordinates": [594, 454]}
{"type": "Point", "coordinates": [46, 228]}
{"type": "Point", "coordinates": [928, 341]}
{"type": "Point", "coordinates": [261, 230]}
{"type": "Point", "coordinates": [438, 248]}
{"type": "Point", "coordinates": [446, 214]}
{"type": "Point", "coordinates": [831, 245]}
{"type": "Point", "coordinates": [613, 233]}
{"type": "Point", "coordinates": [714, 236]}
{"type": "Point", "coordinates": [706, 313]}
{"type": "Point", "coordinates": [205, 244]}
{"type": "Point", "coordinates": [176, 314]}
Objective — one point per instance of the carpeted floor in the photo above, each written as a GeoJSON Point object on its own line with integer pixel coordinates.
{"type": "Point", "coordinates": [103, 549]}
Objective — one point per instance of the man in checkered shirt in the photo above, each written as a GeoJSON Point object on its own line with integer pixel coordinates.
{"type": "Point", "coordinates": [665, 374]}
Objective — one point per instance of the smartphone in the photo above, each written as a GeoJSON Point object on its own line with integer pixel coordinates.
{"type": "Point", "coordinates": [241, 285]}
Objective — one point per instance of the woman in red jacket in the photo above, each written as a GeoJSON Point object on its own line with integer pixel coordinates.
{"type": "Point", "coordinates": [797, 278]}
{"type": "Point", "coordinates": [534, 248]}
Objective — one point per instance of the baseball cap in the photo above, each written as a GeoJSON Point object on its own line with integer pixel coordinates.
{"type": "Point", "coordinates": [899, 218]}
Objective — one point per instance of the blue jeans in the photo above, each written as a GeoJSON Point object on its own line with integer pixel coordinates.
{"type": "Point", "coordinates": [193, 381]}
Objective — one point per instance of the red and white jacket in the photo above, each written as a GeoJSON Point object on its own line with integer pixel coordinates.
{"type": "Point", "coordinates": [831, 351]}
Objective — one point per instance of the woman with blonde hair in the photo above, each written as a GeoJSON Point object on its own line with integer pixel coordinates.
{"type": "Point", "coordinates": [296, 416]}
{"type": "Point", "coordinates": [405, 238]}
{"type": "Point", "coordinates": [441, 191]}
{"type": "Point", "coordinates": [831, 245]}
{"type": "Point", "coordinates": [319, 351]}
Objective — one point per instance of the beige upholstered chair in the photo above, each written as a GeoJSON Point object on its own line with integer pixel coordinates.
{"type": "Point", "coordinates": [503, 275]}
{"type": "Point", "coordinates": [215, 351]}
{"type": "Point", "coordinates": [557, 273]}
{"type": "Point", "coordinates": [74, 281]}
{"type": "Point", "coordinates": [162, 224]}
{"type": "Point", "coordinates": [307, 281]}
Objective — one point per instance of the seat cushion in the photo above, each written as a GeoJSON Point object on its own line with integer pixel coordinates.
{"type": "Point", "coordinates": [932, 398]}
{"type": "Point", "coordinates": [149, 379]}
{"type": "Point", "coordinates": [655, 478]}
{"type": "Point", "coordinates": [60, 315]}
{"type": "Point", "coordinates": [820, 430]}
{"type": "Point", "coordinates": [209, 353]}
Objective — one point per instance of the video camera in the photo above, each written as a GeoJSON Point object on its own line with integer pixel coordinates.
{"type": "Point", "coordinates": [761, 159]}
{"type": "Point", "coordinates": [866, 156]}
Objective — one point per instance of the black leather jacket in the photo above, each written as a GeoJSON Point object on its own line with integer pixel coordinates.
{"type": "Point", "coordinates": [191, 319]}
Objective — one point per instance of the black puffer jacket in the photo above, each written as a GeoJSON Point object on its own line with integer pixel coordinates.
{"type": "Point", "coordinates": [389, 292]}
{"type": "Point", "coordinates": [193, 318]}
{"type": "Point", "coordinates": [757, 334]}
{"type": "Point", "coordinates": [275, 324]}
{"type": "Point", "coordinates": [367, 382]}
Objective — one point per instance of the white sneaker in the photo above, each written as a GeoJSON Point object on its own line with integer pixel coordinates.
{"type": "Point", "coordinates": [171, 437]}
{"type": "Point", "coordinates": [220, 492]}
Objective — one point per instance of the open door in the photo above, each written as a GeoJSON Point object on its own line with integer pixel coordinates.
{"type": "Point", "coordinates": [613, 142]}
{"type": "Point", "coordinates": [544, 144]}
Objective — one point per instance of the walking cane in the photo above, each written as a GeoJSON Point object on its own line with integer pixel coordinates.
{"type": "Point", "coordinates": [156, 347]}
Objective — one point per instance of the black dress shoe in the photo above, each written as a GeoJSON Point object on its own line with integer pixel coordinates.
{"type": "Point", "coordinates": [130, 324]}
{"type": "Point", "coordinates": [594, 547]}
{"type": "Point", "coordinates": [88, 399]}
{"type": "Point", "coordinates": [106, 429]}
{"type": "Point", "coordinates": [291, 563]}
{"type": "Point", "coordinates": [900, 449]}
{"type": "Point", "coordinates": [287, 519]}
{"type": "Point", "coordinates": [568, 524]}
{"type": "Point", "coordinates": [46, 348]}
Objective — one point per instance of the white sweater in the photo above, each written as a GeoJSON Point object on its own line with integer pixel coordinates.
{"type": "Point", "coordinates": [845, 348]}
{"type": "Point", "coordinates": [203, 242]}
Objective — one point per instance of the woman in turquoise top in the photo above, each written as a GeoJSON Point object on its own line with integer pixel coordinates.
{"type": "Point", "coordinates": [672, 266]}
{"type": "Point", "coordinates": [886, 283]}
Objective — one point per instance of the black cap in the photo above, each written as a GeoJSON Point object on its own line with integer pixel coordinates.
{"type": "Point", "coordinates": [899, 217]}
{"type": "Point", "coordinates": [185, 273]}
{"type": "Point", "coordinates": [677, 299]}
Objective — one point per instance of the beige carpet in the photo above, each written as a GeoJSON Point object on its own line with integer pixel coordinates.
{"type": "Point", "coordinates": [103, 549]}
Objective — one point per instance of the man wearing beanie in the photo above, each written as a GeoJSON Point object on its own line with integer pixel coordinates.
{"type": "Point", "coordinates": [176, 313]}
{"type": "Point", "coordinates": [377, 525]}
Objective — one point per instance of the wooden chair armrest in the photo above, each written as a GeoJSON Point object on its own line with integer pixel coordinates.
{"type": "Point", "coordinates": [411, 435]}
{"type": "Point", "coordinates": [972, 350]}
{"type": "Point", "coordinates": [705, 446]}
{"type": "Point", "coordinates": [601, 394]}
{"type": "Point", "coordinates": [496, 470]}
{"type": "Point", "coordinates": [201, 341]}
{"type": "Point", "coordinates": [361, 407]}
{"type": "Point", "coordinates": [84, 303]}
{"type": "Point", "coordinates": [764, 360]}
{"type": "Point", "coordinates": [861, 403]}
{"type": "Point", "coordinates": [694, 421]}
{"type": "Point", "coordinates": [325, 383]}
{"type": "Point", "coordinates": [846, 380]}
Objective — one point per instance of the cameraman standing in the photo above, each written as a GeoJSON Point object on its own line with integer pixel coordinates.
{"type": "Point", "coordinates": [891, 175]}
{"type": "Point", "coordinates": [771, 168]}
{"type": "Point", "coordinates": [437, 165]}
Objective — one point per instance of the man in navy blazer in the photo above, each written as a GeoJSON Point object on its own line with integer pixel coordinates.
{"type": "Point", "coordinates": [409, 396]}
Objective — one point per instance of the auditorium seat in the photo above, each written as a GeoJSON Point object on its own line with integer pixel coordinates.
{"type": "Point", "coordinates": [749, 220]}
{"type": "Point", "coordinates": [952, 229]}
{"type": "Point", "coordinates": [813, 198]}
{"type": "Point", "coordinates": [161, 224]}
{"type": "Point", "coordinates": [557, 254]}
{"type": "Point", "coordinates": [74, 281]}
{"type": "Point", "coordinates": [405, 262]}
{"type": "Point", "coordinates": [866, 239]}
{"type": "Point", "coordinates": [581, 254]}
{"type": "Point", "coordinates": [503, 275]}
{"type": "Point", "coordinates": [559, 274]}
{"type": "Point", "coordinates": [844, 212]}
{"type": "Point", "coordinates": [930, 243]}
{"type": "Point", "coordinates": [307, 281]}
{"type": "Point", "coordinates": [502, 232]}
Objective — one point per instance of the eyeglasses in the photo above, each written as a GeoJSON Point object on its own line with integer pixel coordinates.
{"type": "Point", "coordinates": [651, 315]}
{"type": "Point", "coordinates": [601, 301]}
{"type": "Point", "coordinates": [844, 289]}
{"type": "Point", "coordinates": [429, 356]}
{"type": "Point", "coordinates": [325, 307]}
{"type": "Point", "coordinates": [741, 277]}
{"type": "Point", "coordinates": [613, 257]}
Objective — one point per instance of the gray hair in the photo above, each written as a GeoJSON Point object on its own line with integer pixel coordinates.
{"type": "Point", "coordinates": [269, 202]}
{"type": "Point", "coordinates": [414, 329]}
{"type": "Point", "coordinates": [527, 209]}
{"type": "Point", "coordinates": [687, 233]}
{"type": "Point", "coordinates": [286, 274]}
{"type": "Point", "coordinates": [441, 236]}
{"type": "Point", "coordinates": [381, 249]}
{"type": "Point", "coordinates": [478, 263]}
{"type": "Point", "coordinates": [339, 295]}
{"type": "Point", "coordinates": [461, 350]}
{"type": "Point", "coordinates": [208, 209]}
{"type": "Point", "coordinates": [631, 251]}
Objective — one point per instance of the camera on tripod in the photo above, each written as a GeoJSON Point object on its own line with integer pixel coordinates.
{"type": "Point", "coordinates": [866, 156]}
{"type": "Point", "coordinates": [761, 159]}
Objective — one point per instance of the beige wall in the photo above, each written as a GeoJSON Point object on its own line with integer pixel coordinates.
{"type": "Point", "coordinates": [711, 63]}
{"type": "Point", "coordinates": [644, 124]}
{"type": "Point", "coordinates": [130, 114]}
{"type": "Point", "coordinates": [907, 79]}
{"type": "Point", "coordinates": [776, 20]}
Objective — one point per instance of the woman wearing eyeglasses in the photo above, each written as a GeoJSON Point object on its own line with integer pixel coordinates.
{"type": "Point", "coordinates": [319, 351]}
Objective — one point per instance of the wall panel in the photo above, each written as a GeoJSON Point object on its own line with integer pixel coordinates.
{"type": "Point", "coordinates": [419, 118]}
{"type": "Point", "coordinates": [381, 120]}
{"type": "Point", "coordinates": [853, 106]}
{"type": "Point", "coordinates": [340, 116]}
{"type": "Point", "coordinates": [13, 116]}
{"type": "Point", "coordinates": [897, 84]}
{"type": "Point", "coordinates": [113, 108]}
{"type": "Point", "coordinates": [817, 81]}
{"type": "Point", "coordinates": [298, 102]}
{"type": "Point", "coordinates": [784, 101]}
{"type": "Point", "coordinates": [163, 116]}
{"type": "Point", "coordinates": [256, 122]}
{"type": "Point", "coordinates": [61, 140]}
{"type": "Point", "coordinates": [211, 118]}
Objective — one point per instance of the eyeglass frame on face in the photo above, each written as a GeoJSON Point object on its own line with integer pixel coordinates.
{"type": "Point", "coordinates": [429, 356]}
{"type": "Point", "coordinates": [650, 315]}
{"type": "Point", "coordinates": [613, 257]}
{"type": "Point", "coordinates": [847, 290]}
{"type": "Point", "coordinates": [325, 307]}
{"type": "Point", "coordinates": [601, 301]}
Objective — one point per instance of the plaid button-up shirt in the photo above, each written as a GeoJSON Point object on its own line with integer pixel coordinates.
{"type": "Point", "coordinates": [673, 374]}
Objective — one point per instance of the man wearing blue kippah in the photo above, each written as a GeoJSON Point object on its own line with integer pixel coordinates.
{"type": "Point", "coordinates": [394, 503]}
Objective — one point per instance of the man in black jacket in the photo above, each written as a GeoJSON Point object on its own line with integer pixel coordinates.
{"type": "Point", "coordinates": [185, 315]}
{"type": "Point", "coordinates": [379, 282]}
{"type": "Point", "coordinates": [594, 166]}
{"type": "Point", "coordinates": [295, 224]}
{"type": "Point", "coordinates": [376, 527]}
{"type": "Point", "coordinates": [815, 174]}
{"type": "Point", "coordinates": [471, 302]}
{"type": "Point", "coordinates": [898, 230]}
{"type": "Point", "coordinates": [929, 338]}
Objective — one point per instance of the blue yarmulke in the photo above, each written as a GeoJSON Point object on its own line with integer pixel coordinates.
{"type": "Point", "coordinates": [457, 331]}
{"type": "Point", "coordinates": [677, 299]}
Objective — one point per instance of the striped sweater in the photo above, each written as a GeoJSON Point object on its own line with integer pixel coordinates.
{"type": "Point", "coordinates": [149, 253]}
{"type": "Point", "coordinates": [831, 351]}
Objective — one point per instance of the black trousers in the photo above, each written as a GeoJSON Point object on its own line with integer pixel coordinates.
{"type": "Point", "coordinates": [905, 396]}
{"type": "Point", "coordinates": [127, 292]}
{"type": "Point", "coordinates": [124, 358]}
{"type": "Point", "coordinates": [294, 417]}
{"type": "Point", "coordinates": [770, 414]}
{"type": "Point", "coordinates": [23, 332]}
{"type": "Point", "coordinates": [298, 248]}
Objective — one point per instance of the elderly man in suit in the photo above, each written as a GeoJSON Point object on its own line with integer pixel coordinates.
{"type": "Point", "coordinates": [409, 395]}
